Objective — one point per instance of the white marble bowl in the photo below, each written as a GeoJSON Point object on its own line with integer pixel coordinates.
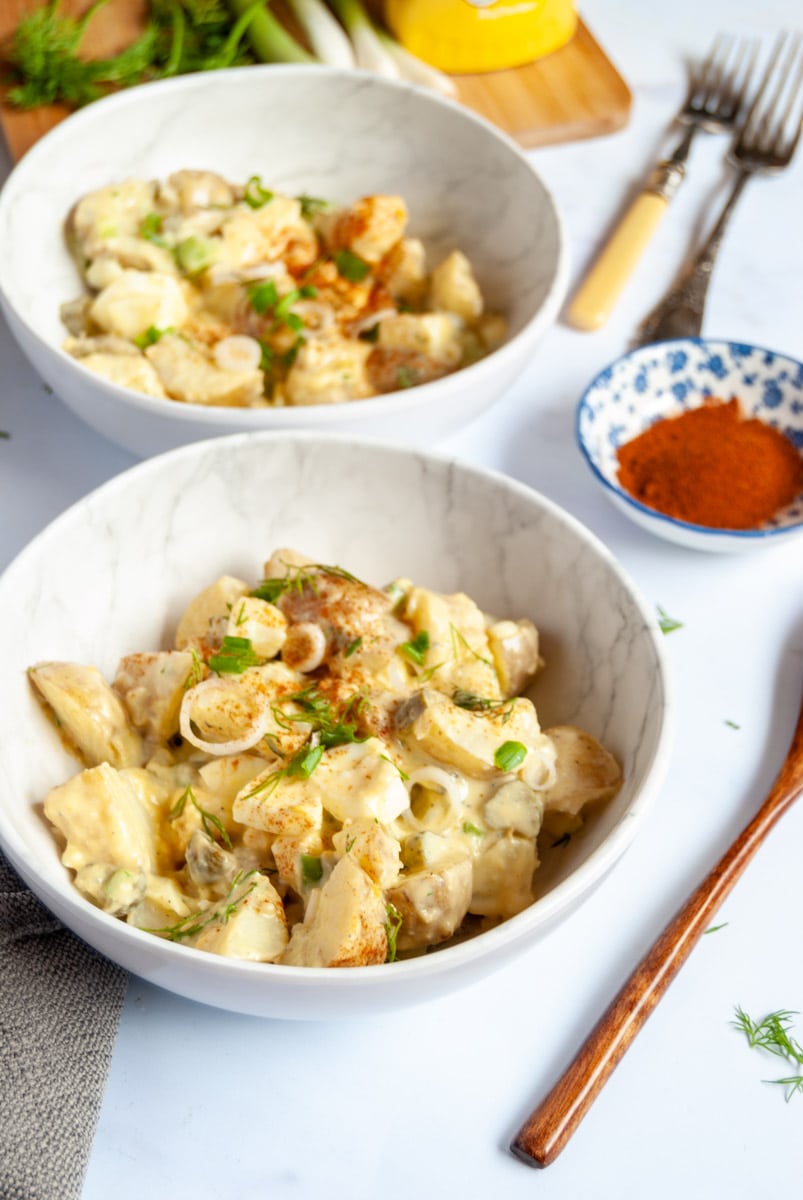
{"type": "Point", "coordinates": [338, 134]}
{"type": "Point", "coordinates": [667, 379]}
{"type": "Point", "coordinates": [113, 573]}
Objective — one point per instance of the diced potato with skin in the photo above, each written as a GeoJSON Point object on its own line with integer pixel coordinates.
{"type": "Point", "coordinates": [432, 904]}
{"type": "Point", "coordinates": [103, 819]}
{"type": "Point", "coordinates": [403, 270]}
{"type": "Point", "coordinates": [206, 610]}
{"type": "Point", "coordinates": [372, 226]}
{"type": "Point", "coordinates": [254, 926]}
{"type": "Point", "coordinates": [188, 375]}
{"type": "Point", "coordinates": [503, 874]}
{"type": "Point", "coordinates": [152, 686]}
{"type": "Point", "coordinates": [114, 889]}
{"type": "Point", "coordinates": [466, 740]}
{"type": "Point", "coordinates": [587, 773]}
{"type": "Point", "coordinates": [329, 370]}
{"type": "Point", "coordinates": [345, 922]}
{"type": "Point", "coordinates": [137, 300]}
{"type": "Point", "coordinates": [249, 236]}
{"type": "Point", "coordinates": [350, 781]}
{"type": "Point", "coordinates": [262, 623]}
{"type": "Point", "coordinates": [458, 645]}
{"type": "Point", "coordinates": [135, 253]}
{"type": "Point", "coordinates": [428, 850]}
{"type": "Point", "coordinates": [514, 647]}
{"type": "Point", "coordinates": [109, 212]}
{"type": "Point", "coordinates": [454, 289]}
{"type": "Point", "coordinates": [89, 713]}
{"type": "Point", "coordinates": [287, 853]}
{"type": "Point", "coordinates": [100, 273]}
{"type": "Point", "coordinates": [515, 806]}
{"type": "Point", "coordinates": [126, 371]}
{"type": "Point", "coordinates": [373, 847]}
{"type": "Point", "coordinates": [359, 780]}
{"type": "Point", "coordinates": [492, 330]}
{"type": "Point", "coordinates": [163, 905]}
{"type": "Point", "coordinates": [290, 807]}
{"type": "Point", "coordinates": [435, 335]}
{"type": "Point", "coordinates": [224, 777]}
{"type": "Point", "coordinates": [191, 190]}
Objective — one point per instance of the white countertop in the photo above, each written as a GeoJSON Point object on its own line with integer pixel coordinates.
{"type": "Point", "coordinates": [208, 1105]}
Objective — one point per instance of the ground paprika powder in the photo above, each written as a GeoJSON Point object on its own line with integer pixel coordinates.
{"type": "Point", "coordinates": [712, 466]}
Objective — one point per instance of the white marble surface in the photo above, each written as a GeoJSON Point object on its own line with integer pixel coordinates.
{"type": "Point", "coordinates": [204, 1105]}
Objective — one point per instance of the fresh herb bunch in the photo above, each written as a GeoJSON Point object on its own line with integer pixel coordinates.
{"type": "Point", "coordinates": [181, 36]}
{"type": "Point", "coordinates": [771, 1033]}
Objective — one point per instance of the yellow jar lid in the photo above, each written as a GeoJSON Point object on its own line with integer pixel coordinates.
{"type": "Point", "coordinates": [467, 36]}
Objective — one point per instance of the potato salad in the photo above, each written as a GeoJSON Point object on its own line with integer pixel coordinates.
{"type": "Point", "coordinates": [206, 292]}
{"type": "Point", "coordinates": [318, 773]}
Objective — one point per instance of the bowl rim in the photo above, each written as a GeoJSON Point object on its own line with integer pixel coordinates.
{"type": "Point", "coordinates": [82, 915]}
{"type": "Point", "coordinates": [619, 493]}
{"type": "Point", "coordinates": [386, 404]}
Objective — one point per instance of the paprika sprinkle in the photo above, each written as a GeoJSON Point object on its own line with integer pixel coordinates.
{"type": "Point", "coordinates": [711, 466]}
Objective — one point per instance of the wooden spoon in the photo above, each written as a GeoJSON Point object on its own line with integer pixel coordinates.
{"type": "Point", "coordinates": [548, 1129]}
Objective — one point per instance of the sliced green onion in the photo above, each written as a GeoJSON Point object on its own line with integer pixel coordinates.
{"type": "Point", "coordinates": [406, 377]}
{"type": "Point", "coordinates": [255, 195]}
{"type": "Point", "coordinates": [263, 297]}
{"type": "Point", "coordinates": [311, 206]}
{"type": "Point", "coordinates": [510, 755]}
{"type": "Point", "coordinates": [352, 647]}
{"type": "Point", "coordinates": [351, 266]}
{"type": "Point", "coordinates": [305, 762]}
{"type": "Point", "coordinates": [269, 39]}
{"type": "Point", "coordinates": [311, 869]}
{"type": "Point", "coordinates": [195, 254]}
{"type": "Point", "coordinates": [150, 228]}
{"type": "Point", "coordinates": [323, 32]}
{"type": "Point", "coordinates": [414, 69]}
{"type": "Point", "coordinates": [468, 827]}
{"type": "Point", "coordinates": [150, 336]}
{"type": "Point", "coordinates": [416, 648]}
{"type": "Point", "coordinates": [369, 52]}
{"type": "Point", "coordinates": [235, 656]}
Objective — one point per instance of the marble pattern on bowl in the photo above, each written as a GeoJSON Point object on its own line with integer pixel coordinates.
{"type": "Point", "coordinates": [112, 574]}
{"type": "Point", "coordinates": [669, 378]}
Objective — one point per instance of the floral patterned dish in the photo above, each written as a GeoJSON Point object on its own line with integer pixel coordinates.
{"type": "Point", "coordinates": [668, 378]}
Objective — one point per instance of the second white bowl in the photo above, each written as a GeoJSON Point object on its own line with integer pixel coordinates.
{"type": "Point", "coordinates": [337, 134]}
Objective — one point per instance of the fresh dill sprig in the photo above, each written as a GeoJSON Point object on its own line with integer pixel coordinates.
{"type": "Point", "coordinates": [475, 703]}
{"type": "Point", "coordinates": [212, 824]}
{"type": "Point", "coordinates": [771, 1033]}
{"type": "Point", "coordinates": [459, 639]}
{"type": "Point", "coordinates": [196, 922]}
{"type": "Point", "coordinates": [297, 579]}
{"type": "Point", "coordinates": [180, 36]}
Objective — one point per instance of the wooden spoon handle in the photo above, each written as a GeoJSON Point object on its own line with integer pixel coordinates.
{"type": "Point", "coordinates": [548, 1129]}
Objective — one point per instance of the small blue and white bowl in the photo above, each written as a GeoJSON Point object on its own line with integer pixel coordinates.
{"type": "Point", "coordinates": [665, 380]}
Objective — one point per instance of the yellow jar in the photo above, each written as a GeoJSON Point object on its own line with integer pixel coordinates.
{"type": "Point", "coordinates": [467, 36]}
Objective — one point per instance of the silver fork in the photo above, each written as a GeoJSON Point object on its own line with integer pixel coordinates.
{"type": "Point", "coordinates": [714, 102]}
{"type": "Point", "coordinates": [765, 144]}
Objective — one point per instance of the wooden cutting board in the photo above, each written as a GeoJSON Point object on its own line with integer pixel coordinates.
{"type": "Point", "coordinates": [572, 94]}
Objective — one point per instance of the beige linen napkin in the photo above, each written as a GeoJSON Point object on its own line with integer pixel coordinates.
{"type": "Point", "coordinates": [60, 1006]}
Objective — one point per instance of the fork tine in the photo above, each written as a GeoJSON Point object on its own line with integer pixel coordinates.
{"type": "Point", "coordinates": [703, 78]}
{"type": "Point", "coordinates": [755, 122]}
{"type": "Point", "coordinates": [739, 78]}
{"type": "Point", "coordinates": [793, 103]}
